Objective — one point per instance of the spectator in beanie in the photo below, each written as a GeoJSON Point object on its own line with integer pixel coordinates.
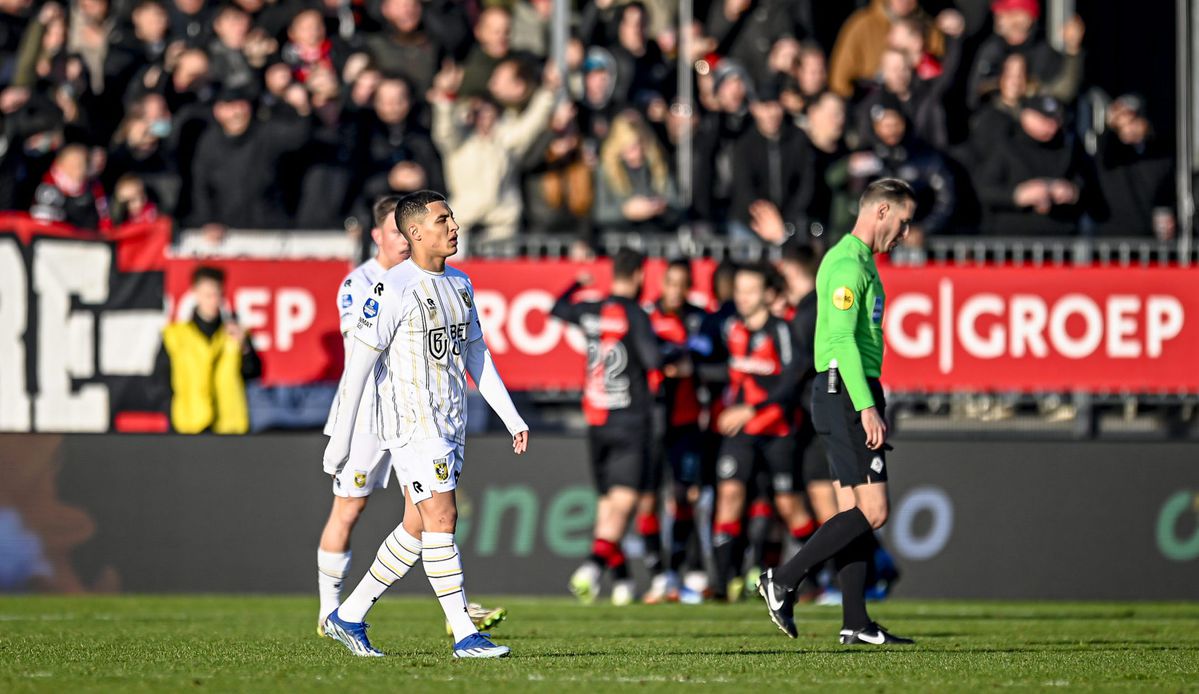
{"type": "Point", "coordinates": [1016, 31]}
{"type": "Point", "coordinates": [1033, 184]}
{"type": "Point", "coordinates": [863, 38]}
{"type": "Point", "coordinates": [893, 152]}
{"type": "Point", "coordinates": [68, 193]}
{"type": "Point", "coordinates": [597, 105]}
{"type": "Point", "coordinates": [634, 189]}
{"type": "Point", "coordinates": [1135, 174]}
{"type": "Point", "coordinates": [774, 168]}
{"type": "Point", "coordinates": [234, 174]}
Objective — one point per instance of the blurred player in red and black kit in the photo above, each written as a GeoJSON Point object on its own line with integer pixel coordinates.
{"type": "Point", "coordinates": [676, 323]}
{"type": "Point", "coordinates": [756, 422]}
{"type": "Point", "coordinates": [623, 359]}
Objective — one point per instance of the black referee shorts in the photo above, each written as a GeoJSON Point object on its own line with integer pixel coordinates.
{"type": "Point", "coordinates": [813, 458]}
{"type": "Point", "coordinates": [620, 457]}
{"type": "Point", "coordinates": [844, 438]}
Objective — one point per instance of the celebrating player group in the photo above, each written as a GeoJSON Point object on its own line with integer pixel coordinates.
{"type": "Point", "coordinates": [771, 404]}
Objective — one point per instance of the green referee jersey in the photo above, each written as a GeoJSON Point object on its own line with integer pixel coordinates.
{"type": "Point", "coordinates": [849, 317]}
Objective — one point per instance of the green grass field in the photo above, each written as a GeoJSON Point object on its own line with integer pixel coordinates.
{"type": "Point", "coordinates": [268, 644]}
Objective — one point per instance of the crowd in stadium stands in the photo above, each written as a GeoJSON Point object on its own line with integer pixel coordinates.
{"type": "Point", "coordinates": [298, 113]}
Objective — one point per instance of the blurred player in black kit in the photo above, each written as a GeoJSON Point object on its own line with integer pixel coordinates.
{"type": "Point", "coordinates": [676, 323]}
{"type": "Point", "coordinates": [622, 378]}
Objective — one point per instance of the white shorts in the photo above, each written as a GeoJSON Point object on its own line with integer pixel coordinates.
{"type": "Point", "coordinates": [368, 468]}
{"type": "Point", "coordinates": [428, 466]}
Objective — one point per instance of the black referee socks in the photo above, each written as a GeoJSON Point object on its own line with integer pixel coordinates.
{"type": "Point", "coordinates": [831, 538]}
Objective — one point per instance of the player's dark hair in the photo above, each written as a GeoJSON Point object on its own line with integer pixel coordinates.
{"type": "Point", "coordinates": [683, 264]}
{"type": "Point", "coordinates": [892, 190]}
{"type": "Point", "coordinates": [763, 270]}
{"type": "Point", "coordinates": [207, 272]}
{"type": "Point", "coordinates": [626, 263]}
{"type": "Point", "coordinates": [804, 256]}
{"type": "Point", "coordinates": [413, 207]}
{"type": "Point", "coordinates": [384, 208]}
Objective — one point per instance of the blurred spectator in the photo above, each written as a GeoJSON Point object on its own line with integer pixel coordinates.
{"type": "Point", "coordinates": [43, 49]}
{"type": "Point", "coordinates": [825, 128]}
{"type": "Point", "coordinates": [863, 39]}
{"type": "Point", "coordinates": [14, 18]}
{"type": "Point", "coordinates": [892, 152]}
{"type": "Point", "coordinates": [394, 154]}
{"type": "Point", "coordinates": [1033, 184]}
{"type": "Point", "coordinates": [774, 167]}
{"type": "Point", "coordinates": [920, 99]}
{"type": "Point", "coordinates": [324, 162]}
{"type": "Point", "coordinates": [807, 81]}
{"type": "Point", "coordinates": [597, 107]}
{"type": "Point", "coordinates": [141, 146]}
{"type": "Point", "coordinates": [151, 27]}
{"type": "Point", "coordinates": [634, 189]}
{"type": "Point", "coordinates": [559, 188]}
{"type": "Point", "coordinates": [130, 204]}
{"type": "Point", "coordinates": [493, 34]}
{"type": "Point", "coordinates": [234, 175]}
{"type": "Point", "coordinates": [746, 29]}
{"type": "Point", "coordinates": [405, 47]}
{"type": "Point", "coordinates": [191, 21]}
{"type": "Point", "coordinates": [1016, 31]}
{"type": "Point", "coordinates": [726, 96]}
{"type": "Point", "coordinates": [70, 193]}
{"type": "Point", "coordinates": [93, 35]}
{"type": "Point", "coordinates": [531, 26]}
{"type": "Point", "coordinates": [227, 60]}
{"type": "Point", "coordinates": [997, 121]}
{"type": "Point", "coordinates": [640, 68]}
{"type": "Point", "coordinates": [482, 151]}
{"type": "Point", "coordinates": [308, 48]}
{"type": "Point", "coordinates": [31, 129]}
{"type": "Point", "coordinates": [1135, 175]}
{"type": "Point", "coordinates": [208, 359]}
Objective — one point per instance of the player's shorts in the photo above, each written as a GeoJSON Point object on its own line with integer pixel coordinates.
{"type": "Point", "coordinates": [368, 469]}
{"type": "Point", "coordinates": [682, 444]}
{"type": "Point", "coordinates": [840, 428]}
{"type": "Point", "coordinates": [621, 457]}
{"type": "Point", "coordinates": [743, 454]}
{"type": "Point", "coordinates": [813, 458]}
{"type": "Point", "coordinates": [428, 466]}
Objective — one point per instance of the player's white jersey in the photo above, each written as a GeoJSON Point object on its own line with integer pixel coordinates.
{"type": "Point", "coordinates": [351, 294]}
{"type": "Point", "coordinates": [423, 323]}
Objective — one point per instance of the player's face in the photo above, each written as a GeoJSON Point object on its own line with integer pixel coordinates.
{"type": "Point", "coordinates": [894, 223]}
{"type": "Point", "coordinates": [393, 247]}
{"type": "Point", "coordinates": [437, 233]}
{"type": "Point", "coordinates": [209, 297]}
{"type": "Point", "coordinates": [675, 285]}
{"type": "Point", "coordinates": [749, 293]}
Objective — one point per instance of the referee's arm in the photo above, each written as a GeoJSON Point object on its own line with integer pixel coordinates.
{"type": "Point", "coordinates": [848, 281]}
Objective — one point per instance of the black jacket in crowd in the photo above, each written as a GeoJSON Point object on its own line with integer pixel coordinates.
{"type": "Point", "coordinates": [778, 170]}
{"type": "Point", "coordinates": [1132, 181]}
{"type": "Point", "coordinates": [1022, 159]}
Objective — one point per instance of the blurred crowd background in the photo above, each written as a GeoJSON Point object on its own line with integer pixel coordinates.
{"type": "Point", "coordinates": [297, 114]}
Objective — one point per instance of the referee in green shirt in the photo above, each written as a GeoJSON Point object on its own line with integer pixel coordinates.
{"type": "Point", "coordinates": [847, 412]}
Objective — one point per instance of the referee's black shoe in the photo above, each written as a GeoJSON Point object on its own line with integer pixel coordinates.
{"type": "Point", "coordinates": [780, 602]}
{"type": "Point", "coordinates": [873, 635]}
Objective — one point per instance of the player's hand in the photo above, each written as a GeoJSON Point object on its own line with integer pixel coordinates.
{"type": "Point", "coordinates": [767, 222]}
{"type": "Point", "coordinates": [734, 419]}
{"type": "Point", "coordinates": [876, 428]}
{"type": "Point", "coordinates": [520, 442]}
{"type": "Point", "coordinates": [1063, 192]}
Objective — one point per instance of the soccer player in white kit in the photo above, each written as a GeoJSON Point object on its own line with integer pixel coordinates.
{"type": "Point", "coordinates": [420, 322]}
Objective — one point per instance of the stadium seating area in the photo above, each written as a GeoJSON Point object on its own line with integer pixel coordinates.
{"type": "Point", "coordinates": [296, 114]}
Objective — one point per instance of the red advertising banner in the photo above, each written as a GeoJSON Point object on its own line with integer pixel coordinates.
{"type": "Point", "coordinates": [1099, 329]}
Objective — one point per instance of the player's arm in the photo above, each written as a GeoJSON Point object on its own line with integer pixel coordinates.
{"type": "Point", "coordinates": [375, 330]}
{"type": "Point", "coordinates": [565, 307]}
{"type": "Point", "coordinates": [847, 279]}
{"type": "Point", "coordinates": [347, 308]}
{"type": "Point", "coordinates": [481, 368]}
{"type": "Point", "coordinates": [783, 388]}
{"type": "Point", "coordinates": [646, 346]}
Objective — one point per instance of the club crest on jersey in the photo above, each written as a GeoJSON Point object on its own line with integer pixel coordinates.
{"type": "Point", "coordinates": [843, 298]}
{"type": "Point", "coordinates": [347, 300]}
{"type": "Point", "coordinates": [438, 343]}
{"type": "Point", "coordinates": [360, 479]}
{"type": "Point", "coordinates": [441, 468]}
{"type": "Point", "coordinates": [465, 297]}
{"type": "Point", "coordinates": [379, 289]}
{"type": "Point", "coordinates": [371, 308]}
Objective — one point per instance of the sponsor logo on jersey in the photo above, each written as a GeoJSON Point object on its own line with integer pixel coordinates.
{"type": "Point", "coordinates": [441, 468]}
{"type": "Point", "coordinates": [465, 297]}
{"type": "Point", "coordinates": [360, 479]}
{"type": "Point", "coordinates": [379, 289]}
{"type": "Point", "coordinates": [347, 300]}
{"type": "Point", "coordinates": [843, 298]}
{"type": "Point", "coordinates": [416, 487]}
{"type": "Point", "coordinates": [432, 306]}
{"type": "Point", "coordinates": [443, 341]}
{"type": "Point", "coordinates": [371, 308]}
{"type": "Point", "coordinates": [347, 282]}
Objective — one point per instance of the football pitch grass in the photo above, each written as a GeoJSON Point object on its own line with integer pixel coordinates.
{"type": "Point", "coordinates": [269, 644]}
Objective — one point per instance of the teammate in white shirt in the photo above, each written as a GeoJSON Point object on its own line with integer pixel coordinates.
{"type": "Point", "coordinates": [421, 325]}
{"type": "Point", "coordinates": [369, 465]}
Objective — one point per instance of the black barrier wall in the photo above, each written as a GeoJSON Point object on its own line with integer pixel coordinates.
{"type": "Point", "coordinates": [213, 514]}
